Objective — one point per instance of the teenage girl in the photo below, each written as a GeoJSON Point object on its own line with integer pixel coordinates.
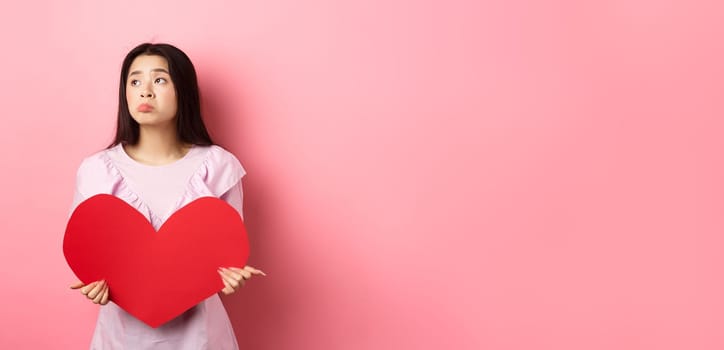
{"type": "Point", "coordinates": [162, 158]}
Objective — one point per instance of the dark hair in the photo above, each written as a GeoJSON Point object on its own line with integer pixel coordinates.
{"type": "Point", "coordinates": [189, 125]}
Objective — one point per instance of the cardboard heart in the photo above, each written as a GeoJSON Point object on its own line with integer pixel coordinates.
{"type": "Point", "coordinates": [155, 276]}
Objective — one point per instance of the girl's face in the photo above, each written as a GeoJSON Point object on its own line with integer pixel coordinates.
{"type": "Point", "coordinates": [150, 92]}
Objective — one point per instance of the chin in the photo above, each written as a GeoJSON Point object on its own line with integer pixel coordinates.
{"type": "Point", "coordinates": [151, 120]}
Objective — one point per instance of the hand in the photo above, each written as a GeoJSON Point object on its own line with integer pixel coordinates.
{"type": "Point", "coordinates": [234, 277]}
{"type": "Point", "coordinates": [96, 291]}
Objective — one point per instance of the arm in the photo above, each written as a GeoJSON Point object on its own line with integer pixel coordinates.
{"type": "Point", "coordinates": [95, 291]}
{"type": "Point", "coordinates": [235, 277]}
{"type": "Point", "coordinates": [235, 197]}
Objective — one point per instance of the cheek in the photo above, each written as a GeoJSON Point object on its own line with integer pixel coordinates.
{"type": "Point", "coordinates": [170, 96]}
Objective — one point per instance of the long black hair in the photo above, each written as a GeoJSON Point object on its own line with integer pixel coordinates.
{"type": "Point", "coordinates": [189, 125]}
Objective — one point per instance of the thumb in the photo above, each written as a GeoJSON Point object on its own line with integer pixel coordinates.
{"type": "Point", "coordinates": [77, 285]}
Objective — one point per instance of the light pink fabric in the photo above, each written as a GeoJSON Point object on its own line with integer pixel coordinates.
{"type": "Point", "coordinates": [208, 171]}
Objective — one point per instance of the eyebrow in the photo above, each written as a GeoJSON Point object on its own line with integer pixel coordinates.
{"type": "Point", "coordinates": [152, 70]}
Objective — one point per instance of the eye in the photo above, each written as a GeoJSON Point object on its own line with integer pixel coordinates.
{"type": "Point", "coordinates": [135, 82]}
{"type": "Point", "coordinates": [160, 80]}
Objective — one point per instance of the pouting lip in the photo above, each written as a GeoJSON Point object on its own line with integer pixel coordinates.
{"type": "Point", "coordinates": [144, 107]}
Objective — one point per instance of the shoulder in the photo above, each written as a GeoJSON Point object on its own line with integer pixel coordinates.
{"type": "Point", "coordinates": [95, 174]}
{"type": "Point", "coordinates": [220, 160]}
{"type": "Point", "coordinates": [220, 171]}
{"type": "Point", "coordinates": [93, 163]}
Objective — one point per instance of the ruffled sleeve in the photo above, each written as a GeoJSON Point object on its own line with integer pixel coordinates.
{"type": "Point", "coordinates": [235, 198]}
{"type": "Point", "coordinates": [97, 175]}
{"type": "Point", "coordinates": [94, 176]}
{"type": "Point", "coordinates": [220, 176]}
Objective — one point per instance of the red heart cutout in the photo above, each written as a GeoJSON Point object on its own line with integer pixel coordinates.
{"type": "Point", "coordinates": [155, 276]}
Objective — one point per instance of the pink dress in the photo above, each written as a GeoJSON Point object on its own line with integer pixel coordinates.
{"type": "Point", "coordinates": [204, 171]}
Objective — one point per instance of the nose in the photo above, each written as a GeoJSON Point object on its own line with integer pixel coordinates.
{"type": "Point", "coordinates": [146, 91]}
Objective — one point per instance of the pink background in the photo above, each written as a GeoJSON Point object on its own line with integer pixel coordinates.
{"type": "Point", "coordinates": [461, 175]}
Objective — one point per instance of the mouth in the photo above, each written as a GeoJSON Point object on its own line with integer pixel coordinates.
{"type": "Point", "coordinates": [145, 108]}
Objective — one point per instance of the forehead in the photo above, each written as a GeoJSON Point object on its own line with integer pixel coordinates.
{"type": "Point", "coordinates": [147, 63]}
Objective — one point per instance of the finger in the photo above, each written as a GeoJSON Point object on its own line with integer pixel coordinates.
{"type": "Point", "coordinates": [106, 295]}
{"type": "Point", "coordinates": [244, 273]}
{"type": "Point", "coordinates": [226, 279]}
{"type": "Point", "coordinates": [88, 287]}
{"type": "Point", "coordinates": [237, 270]}
{"type": "Point", "coordinates": [228, 289]}
{"type": "Point", "coordinates": [225, 273]}
{"type": "Point", "coordinates": [254, 270]}
{"type": "Point", "coordinates": [223, 278]}
{"type": "Point", "coordinates": [226, 284]}
{"type": "Point", "coordinates": [95, 291]}
{"type": "Point", "coordinates": [97, 299]}
{"type": "Point", "coordinates": [235, 283]}
{"type": "Point", "coordinates": [77, 285]}
{"type": "Point", "coordinates": [236, 275]}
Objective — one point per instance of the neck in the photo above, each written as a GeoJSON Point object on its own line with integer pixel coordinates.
{"type": "Point", "coordinates": [157, 145]}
